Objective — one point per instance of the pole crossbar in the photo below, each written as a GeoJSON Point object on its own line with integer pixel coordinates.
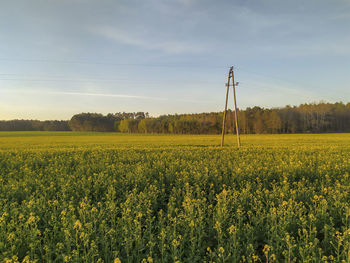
{"type": "Point", "coordinates": [228, 85]}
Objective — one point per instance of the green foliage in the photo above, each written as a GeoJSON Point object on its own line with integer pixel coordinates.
{"type": "Point", "coordinates": [103, 198]}
{"type": "Point", "coordinates": [128, 125]}
{"type": "Point", "coordinates": [92, 122]}
{"type": "Point", "coordinates": [116, 126]}
{"type": "Point", "coordinates": [306, 118]}
{"type": "Point", "coordinates": [148, 126]}
{"type": "Point", "coordinates": [34, 125]}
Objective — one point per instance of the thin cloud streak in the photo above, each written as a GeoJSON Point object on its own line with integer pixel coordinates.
{"type": "Point", "coordinates": [110, 95]}
{"type": "Point", "coordinates": [105, 95]}
{"type": "Point", "coordinates": [168, 46]}
{"type": "Point", "coordinates": [124, 96]}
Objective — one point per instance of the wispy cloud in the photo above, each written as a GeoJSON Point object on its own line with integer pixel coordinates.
{"type": "Point", "coordinates": [90, 94]}
{"type": "Point", "coordinates": [107, 95]}
{"type": "Point", "coordinates": [187, 2]}
{"type": "Point", "coordinates": [74, 93]}
{"type": "Point", "coordinates": [111, 95]}
{"type": "Point", "coordinates": [168, 46]}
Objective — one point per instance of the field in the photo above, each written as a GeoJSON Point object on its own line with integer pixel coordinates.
{"type": "Point", "coordinates": [102, 197]}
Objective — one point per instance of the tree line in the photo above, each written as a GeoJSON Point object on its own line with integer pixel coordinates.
{"type": "Point", "coordinates": [305, 118]}
{"type": "Point", "coordinates": [34, 125]}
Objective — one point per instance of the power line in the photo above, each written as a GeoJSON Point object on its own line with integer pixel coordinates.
{"type": "Point", "coordinates": [181, 65]}
{"type": "Point", "coordinates": [287, 81]}
{"type": "Point", "coordinates": [51, 78]}
{"type": "Point", "coordinates": [69, 80]}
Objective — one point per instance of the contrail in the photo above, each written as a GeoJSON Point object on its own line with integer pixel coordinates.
{"type": "Point", "coordinates": [122, 96]}
{"type": "Point", "coordinates": [105, 95]}
{"type": "Point", "coordinates": [111, 95]}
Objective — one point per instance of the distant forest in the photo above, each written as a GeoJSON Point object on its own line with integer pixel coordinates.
{"type": "Point", "coordinates": [305, 118]}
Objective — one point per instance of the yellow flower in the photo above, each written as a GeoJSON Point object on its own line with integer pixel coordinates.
{"type": "Point", "coordinates": [176, 243]}
{"type": "Point", "coordinates": [266, 249]}
{"type": "Point", "coordinates": [117, 260]}
{"type": "Point", "coordinates": [77, 225]}
{"type": "Point", "coordinates": [11, 236]}
{"type": "Point", "coordinates": [232, 229]}
{"type": "Point", "coordinates": [255, 258]}
{"type": "Point", "coordinates": [31, 219]}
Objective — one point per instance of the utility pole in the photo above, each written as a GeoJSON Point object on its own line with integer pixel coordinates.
{"type": "Point", "coordinates": [224, 118]}
{"type": "Point", "coordinates": [234, 84]}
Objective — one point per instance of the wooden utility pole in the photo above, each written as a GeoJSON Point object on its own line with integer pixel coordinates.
{"type": "Point", "coordinates": [224, 118]}
{"type": "Point", "coordinates": [234, 84]}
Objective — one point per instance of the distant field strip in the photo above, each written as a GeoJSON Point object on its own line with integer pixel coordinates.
{"type": "Point", "coordinates": [104, 197]}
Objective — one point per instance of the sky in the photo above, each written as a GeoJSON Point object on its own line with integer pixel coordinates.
{"type": "Point", "coordinates": [62, 57]}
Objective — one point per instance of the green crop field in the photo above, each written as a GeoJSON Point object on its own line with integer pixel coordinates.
{"type": "Point", "coordinates": [103, 197]}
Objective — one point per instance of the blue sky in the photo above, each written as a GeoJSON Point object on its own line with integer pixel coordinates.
{"type": "Point", "coordinates": [61, 57]}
